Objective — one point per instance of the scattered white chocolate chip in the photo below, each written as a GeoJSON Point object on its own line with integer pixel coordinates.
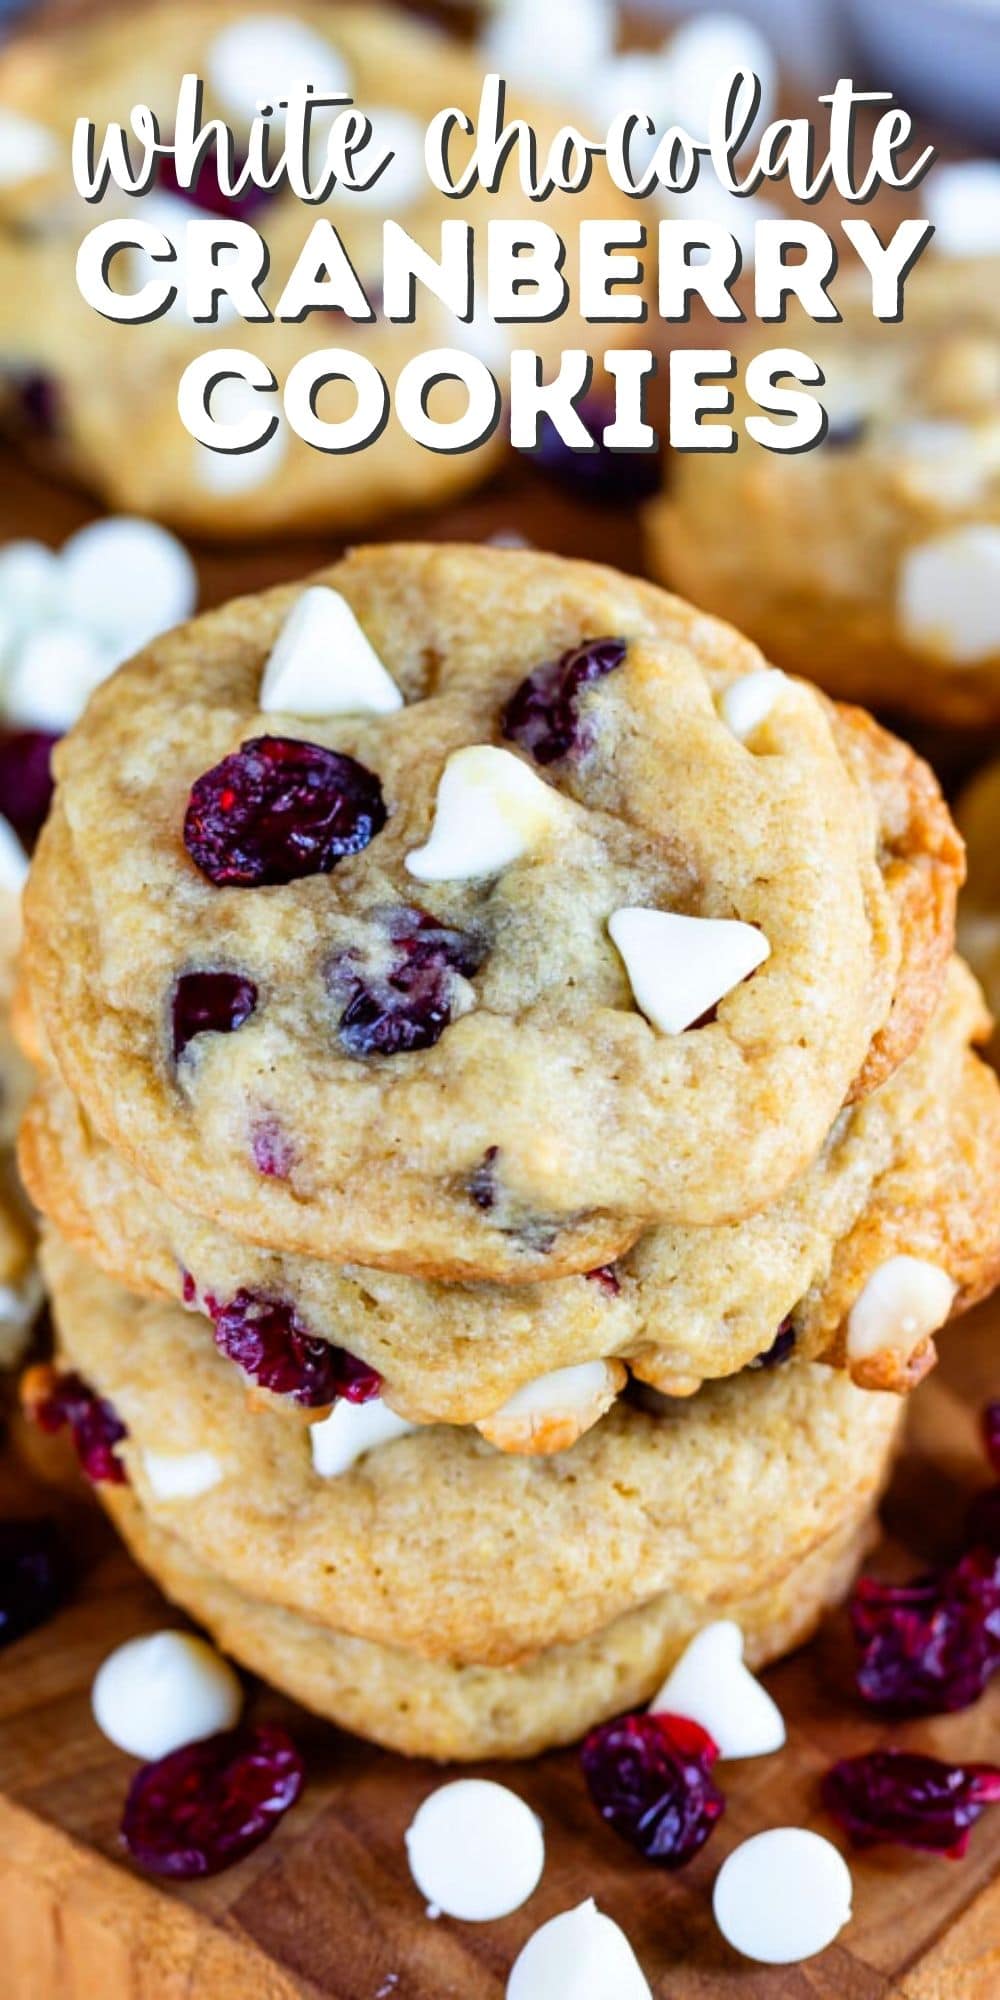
{"type": "Point", "coordinates": [490, 810]}
{"type": "Point", "coordinates": [551, 1413]}
{"type": "Point", "coordinates": [948, 594]}
{"type": "Point", "coordinates": [257, 60]}
{"type": "Point", "coordinates": [30, 579]}
{"type": "Point", "coordinates": [711, 1685]}
{"type": "Point", "coordinates": [556, 49]}
{"type": "Point", "coordinates": [128, 580]}
{"type": "Point", "coordinates": [904, 1301]}
{"type": "Point", "coordinates": [181, 1475]}
{"type": "Point", "coordinates": [962, 199]}
{"type": "Point", "coordinates": [681, 967]}
{"type": "Point", "coordinates": [13, 860]}
{"type": "Point", "coordinates": [153, 1695]}
{"type": "Point", "coordinates": [322, 663]}
{"type": "Point", "coordinates": [27, 149]}
{"type": "Point", "coordinates": [702, 56]}
{"type": "Point", "coordinates": [53, 675]}
{"type": "Point", "coordinates": [404, 179]}
{"type": "Point", "coordinates": [476, 1851]}
{"type": "Point", "coordinates": [580, 1955]}
{"type": "Point", "coordinates": [748, 702]}
{"type": "Point", "coordinates": [350, 1431]}
{"type": "Point", "coordinates": [782, 1896]}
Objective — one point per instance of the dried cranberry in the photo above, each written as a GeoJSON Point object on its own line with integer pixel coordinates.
{"type": "Point", "coordinates": [66, 1400]}
{"type": "Point", "coordinates": [482, 1182]}
{"type": "Point", "coordinates": [206, 193]}
{"type": "Point", "coordinates": [982, 1521]}
{"type": "Point", "coordinates": [781, 1349]}
{"type": "Point", "coordinates": [991, 1434]}
{"type": "Point", "coordinates": [929, 1646]}
{"type": "Point", "coordinates": [601, 476]}
{"type": "Point", "coordinates": [541, 715]}
{"type": "Point", "coordinates": [607, 1277]}
{"type": "Point", "coordinates": [277, 810]}
{"type": "Point", "coordinates": [917, 1801]}
{"type": "Point", "coordinates": [210, 1003]}
{"type": "Point", "coordinates": [648, 1776]}
{"type": "Point", "coordinates": [26, 783]}
{"type": "Point", "coordinates": [267, 1339]}
{"type": "Point", "coordinates": [273, 1151]}
{"type": "Point", "coordinates": [34, 1576]}
{"type": "Point", "coordinates": [404, 998]}
{"type": "Point", "coordinates": [207, 1805]}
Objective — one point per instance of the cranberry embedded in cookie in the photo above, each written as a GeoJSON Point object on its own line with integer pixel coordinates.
{"type": "Point", "coordinates": [542, 716]}
{"type": "Point", "coordinates": [209, 1003]}
{"type": "Point", "coordinates": [277, 810]}
{"type": "Point", "coordinates": [268, 1340]}
{"type": "Point", "coordinates": [404, 992]}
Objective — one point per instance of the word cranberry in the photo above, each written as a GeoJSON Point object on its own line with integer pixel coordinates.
{"type": "Point", "coordinates": [210, 1003]}
{"type": "Point", "coordinates": [34, 1576]}
{"type": "Point", "coordinates": [541, 715]}
{"type": "Point", "coordinates": [207, 1805]}
{"type": "Point", "coordinates": [405, 999]}
{"type": "Point", "coordinates": [929, 1646]}
{"type": "Point", "coordinates": [59, 1401]}
{"type": "Point", "coordinates": [267, 1339]}
{"type": "Point", "coordinates": [26, 783]}
{"type": "Point", "coordinates": [277, 810]}
{"type": "Point", "coordinates": [915, 1801]}
{"type": "Point", "coordinates": [648, 1776]}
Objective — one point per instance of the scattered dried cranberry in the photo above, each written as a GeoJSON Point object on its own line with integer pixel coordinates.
{"type": "Point", "coordinates": [56, 1401]}
{"type": "Point", "coordinates": [541, 715]}
{"type": "Point", "coordinates": [405, 1001]}
{"type": "Point", "coordinates": [26, 779]}
{"type": "Point", "coordinates": [277, 810]}
{"type": "Point", "coordinates": [781, 1349]}
{"type": "Point", "coordinates": [207, 1805]}
{"type": "Point", "coordinates": [607, 1277]}
{"type": "Point", "coordinates": [267, 1339]}
{"type": "Point", "coordinates": [929, 1646]}
{"type": "Point", "coordinates": [991, 1434]}
{"type": "Point", "coordinates": [601, 476]}
{"type": "Point", "coordinates": [917, 1801]}
{"type": "Point", "coordinates": [206, 193]}
{"type": "Point", "coordinates": [210, 1003]}
{"type": "Point", "coordinates": [34, 1576]}
{"type": "Point", "coordinates": [482, 1182]}
{"type": "Point", "coordinates": [648, 1776]}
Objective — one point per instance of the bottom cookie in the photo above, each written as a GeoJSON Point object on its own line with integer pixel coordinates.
{"type": "Point", "coordinates": [432, 1708]}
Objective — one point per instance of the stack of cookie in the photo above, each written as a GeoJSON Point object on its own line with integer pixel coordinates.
{"type": "Point", "coordinates": [509, 1125]}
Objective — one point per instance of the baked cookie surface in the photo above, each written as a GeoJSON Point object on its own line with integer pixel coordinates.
{"type": "Point", "coordinates": [539, 1119]}
{"type": "Point", "coordinates": [436, 1542]}
{"type": "Point", "coordinates": [20, 1289]}
{"type": "Point", "coordinates": [871, 563]}
{"type": "Point", "coordinates": [100, 398]}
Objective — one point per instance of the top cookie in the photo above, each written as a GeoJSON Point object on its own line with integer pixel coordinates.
{"type": "Point", "coordinates": [101, 398]}
{"type": "Point", "coordinates": [584, 929]}
{"type": "Point", "coordinates": [872, 562]}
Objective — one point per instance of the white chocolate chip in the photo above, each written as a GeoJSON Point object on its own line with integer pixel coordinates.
{"type": "Point", "coordinates": [681, 967]}
{"type": "Point", "coordinates": [153, 1695]}
{"type": "Point", "coordinates": [490, 810]}
{"type": "Point", "coordinates": [748, 702]}
{"type": "Point", "coordinates": [962, 199]}
{"type": "Point", "coordinates": [322, 664]}
{"type": "Point", "coordinates": [711, 1685]}
{"type": "Point", "coordinates": [476, 1851]}
{"type": "Point", "coordinates": [404, 180]}
{"type": "Point", "coordinates": [181, 1475]}
{"type": "Point", "coordinates": [13, 860]}
{"type": "Point", "coordinates": [127, 580]}
{"type": "Point", "coordinates": [551, 1413]}
{"type": "Point", "coordinates": [256, 61]}
{"type": "Point", "coordinates": [948, 594]}
{"type": "Point", "coordinates": [53, 675]}
{"type": "Point", "coordinates": [350, 1431]}
{"type": "Point", "coordinates": [580, 1955]}
{"type": "Point", "coordinates": [27, 149]}
{"type": "Point", "coordinates": [555, 49]}
{"type": "Point", "coordinates": [30, 579]}
{"type": "Point", "coordinates": [782, 1896]}
{"type": "Point", "coordinates": [904, 1301]}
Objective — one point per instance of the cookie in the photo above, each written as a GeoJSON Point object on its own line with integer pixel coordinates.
{"type": "Point", "coordinates": [440, 1544]}
{"type": "Point", "coordinates": [434, 1708]}
{"type": "Point", "coordinates": [911, 1171]}
{"type": "Point", "coordinates": [502, 1015]}
{"type": "Point", "coordinates": [20, 1290]}
{"type": "Point", "coordinates": [872, 562]}
{"type": "Point", "coordinates": [99, 398]}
